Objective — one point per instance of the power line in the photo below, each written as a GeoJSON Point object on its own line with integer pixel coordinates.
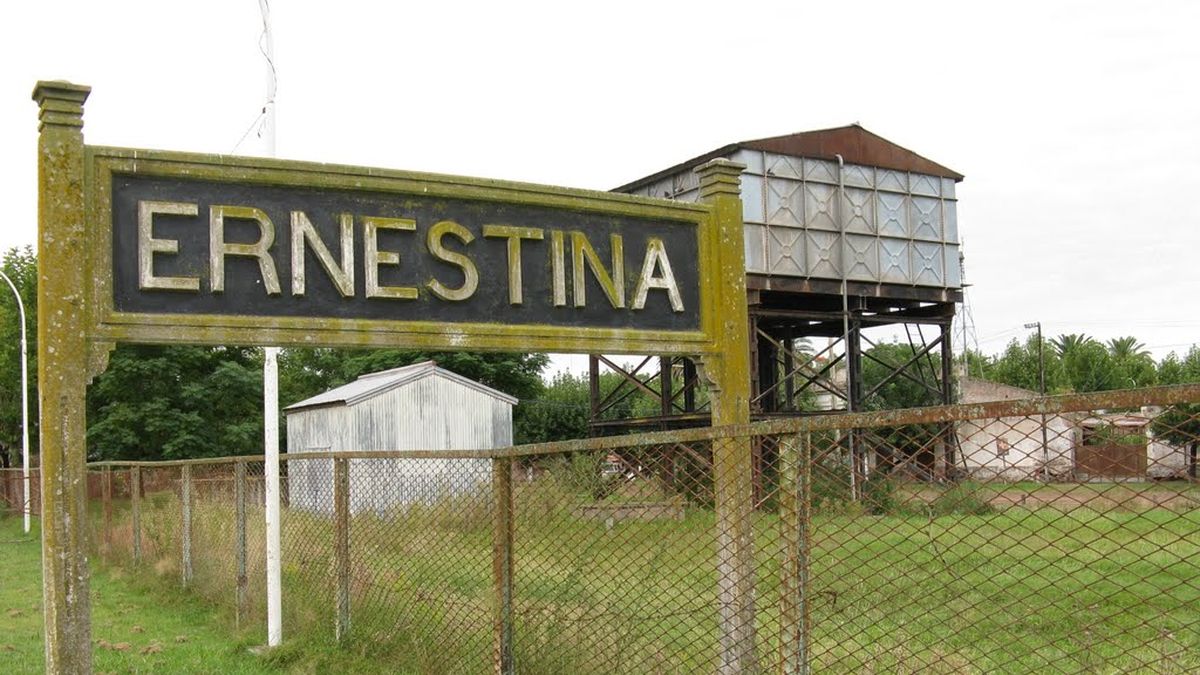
{"type": "Point", "coordinates": [262, 115]}
{"type": "Point", "coordinates": [261, 119]}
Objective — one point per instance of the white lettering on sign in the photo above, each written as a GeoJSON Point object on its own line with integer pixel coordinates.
{"type": "Point", "coordinates": [655, 264]}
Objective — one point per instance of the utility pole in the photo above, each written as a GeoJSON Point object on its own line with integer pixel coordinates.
{"type": "Point", "coordinates": [1042, 391]}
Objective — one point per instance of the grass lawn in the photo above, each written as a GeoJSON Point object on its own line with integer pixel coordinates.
{"type": "Point", "coordinates": [1012, 587]}
{"type": "Point", "coordinates": [1016, 591]}
{"type": "Point", "coordinates": [135, 628]}
{"type": "Point", "coordinates": [146, 624]}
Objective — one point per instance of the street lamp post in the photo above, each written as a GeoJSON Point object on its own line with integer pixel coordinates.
{"type": "Point", "coordinates": [24, 404]}
{"type": "Point", "coordinates": [1042, 391]}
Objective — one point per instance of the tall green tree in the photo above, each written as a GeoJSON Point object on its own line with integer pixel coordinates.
{"type": "Point", "coordinates": [1180, 424]}
{"type": "Point", "coordinates": [176, 402]}
{"type": "Point", "coordinates": [1132, 364]}
{"type": "Point", "coordinates": [306, 372]}
{"type": "Point", "coordinates": [20, 264]}
{"type": "Point", "coordinates": [561, 412]}
{"type": "Point", "coordinates": [977, 363]}
{"type": "Point", "coordinates": [1174, 369]}
{"type": "Point", "coordinates": [1074, 363]}
{"type": "Point", "coordinates": [898, 391]}
{"type": "Point", "coordinates": [1019, 363]}
{"type": "Point", "coordinates": [1088, 367]}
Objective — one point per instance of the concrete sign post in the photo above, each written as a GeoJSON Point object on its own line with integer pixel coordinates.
{"type": "Point", "coordinates": [728, 372]}
{"type": "Point", "coordinates": [162, 247]}
{"type": "Point", "coordinates": [63, 366]}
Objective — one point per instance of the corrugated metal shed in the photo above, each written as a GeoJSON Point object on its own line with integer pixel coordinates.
{"type": "Point", "coordinates": [416, 407]}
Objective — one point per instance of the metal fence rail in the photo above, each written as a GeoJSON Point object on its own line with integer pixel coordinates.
{"type": "Point", "coordinates": [1049, 535]}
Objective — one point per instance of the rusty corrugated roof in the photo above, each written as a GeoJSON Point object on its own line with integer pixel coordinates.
{"type": "Point", "coordinates": [855, 144]}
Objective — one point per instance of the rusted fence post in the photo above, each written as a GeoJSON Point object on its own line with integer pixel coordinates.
{"type": "Point", "coordinates": [341, 544]}
{"type": "Point", "coordinates": [502, 571]}
{"type": "Point", "coordinates": [107, 491]}
{"type": "Point", "coordinates": [239, 498]}
{"type": "Point", "coordinates": [795, 475]}
{"type": "Point", "coordinates": [135, 488]}
{"type": "Point", "coordinates": [185, 489]}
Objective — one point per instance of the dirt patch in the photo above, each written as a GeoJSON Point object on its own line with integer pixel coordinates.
{"type": "Point", "coordinates": [1068, 497]}
{"type": "Point", "coordinates": [1116, 497]}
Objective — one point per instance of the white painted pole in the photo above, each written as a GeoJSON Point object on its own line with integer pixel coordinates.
{"type": "Point", "coordinates": [26, 497]}
{"type": "Point", "coordinates": [271, 440]}
{"type": "Point", "coordinates": [271, 383]}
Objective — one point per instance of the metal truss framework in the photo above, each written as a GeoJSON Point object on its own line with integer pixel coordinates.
{"type": "Point", "coordinates": [674, 385]}
{"type": "Point", "coordinates": [792, 376]}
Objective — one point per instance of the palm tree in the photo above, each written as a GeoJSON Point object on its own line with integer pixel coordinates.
{"type": "Point", "coordinates": [1127, 347]}
{"type": "Point", "coordinates": [802, 346]}
{"type": "Point", "coordinates": [1133, 365]}
{"type": "Point", "coordinates": [1064, 344]}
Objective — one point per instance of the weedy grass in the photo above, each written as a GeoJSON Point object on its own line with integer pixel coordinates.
{"type": "Point", "coordinates": [948, 583]}
{"type": "Point", "coordinates": [135, 628]}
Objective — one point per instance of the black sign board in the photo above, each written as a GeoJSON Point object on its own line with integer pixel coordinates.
{"type": "Point", "coordinates": [202, 247]}
{"type": "Point", "coordinates": [245, 251]}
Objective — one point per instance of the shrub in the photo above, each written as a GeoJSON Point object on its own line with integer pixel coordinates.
{"type": "Point", "coordinates": [879, 494]}
{"type": "Point", "coordinates": [963, 499]}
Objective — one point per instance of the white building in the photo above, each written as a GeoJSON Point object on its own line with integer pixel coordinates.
{"type": "Point", "coordinates": [1013, 448]}
{"type": "Point", "coordinates": [416, 407]}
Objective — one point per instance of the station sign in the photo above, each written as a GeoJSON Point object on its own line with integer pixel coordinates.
{"type": "Point", "coordinates": [159, 247]}
{"type": "Point", "coordinates": [270, 252]}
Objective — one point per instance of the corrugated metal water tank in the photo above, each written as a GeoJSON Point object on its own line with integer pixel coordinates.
{"type": "Point", "coordinates": [889, 226]}
{"type": "Point", "coordinates": [416, 407]}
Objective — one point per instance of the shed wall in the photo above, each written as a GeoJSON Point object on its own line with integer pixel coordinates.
{"type": "Point", "coordinates": [433, 413]}
{"type": "Point", "coordinates": [983, 456]}
{"type": "Point", "coordinates": [1166, 460]}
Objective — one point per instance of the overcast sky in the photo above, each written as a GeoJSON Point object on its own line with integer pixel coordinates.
{"type": "Point", "coordinates": [1077, 124]}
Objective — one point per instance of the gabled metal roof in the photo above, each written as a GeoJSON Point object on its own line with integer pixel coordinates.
{"type": "Point", "coordinates": [855, 144]}
{"type": "Point", "coordinates": [373, 384]}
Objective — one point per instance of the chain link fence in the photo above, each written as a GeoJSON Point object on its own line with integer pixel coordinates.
{"type": "Point", "coordinates": [1049, 535]}
{"type": "Point", "coordinates": [13, 494]}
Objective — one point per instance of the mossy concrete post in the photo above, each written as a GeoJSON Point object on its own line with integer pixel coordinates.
{"type": "Point", "coordinates": [728, 373]}
{"type": "Point", "coordinates": [239, 498]}
{"type": "Point", "coordinates": [63, 285]}
{"type": "Point", "coordinates": [341, 545]}
{"type": "Point", "coordinates": [185, 501]}
{"type": "Point", "coordinates": [795, 472]}
{"type": "Point", "coordinates": [135, 509]}
{"type": "Point", "coordinates": [502, 566]}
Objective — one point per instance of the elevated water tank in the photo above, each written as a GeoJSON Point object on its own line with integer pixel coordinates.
{"type": "Point", "coordinates": [882, 215]}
